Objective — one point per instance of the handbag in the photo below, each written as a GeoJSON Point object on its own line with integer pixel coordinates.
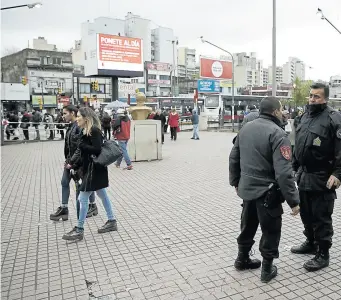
{"type": "Point", "coordinates": [110, 152]}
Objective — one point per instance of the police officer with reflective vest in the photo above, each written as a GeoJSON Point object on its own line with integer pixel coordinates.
{"type": "Point", "coordinates": [261, 171]}
{"type": "Point", "coordinates": [317, 161]}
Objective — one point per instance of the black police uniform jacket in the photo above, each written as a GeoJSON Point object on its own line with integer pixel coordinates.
{"type": "Point", "coordinates": [94, 177]}
{"type": "Point", "coordinates": [317, 147]}
{"type": "Point", "coordinates": [260, 156]}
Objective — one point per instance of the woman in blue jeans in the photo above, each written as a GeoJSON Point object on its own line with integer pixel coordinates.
{"type": "Point", "coordinates": [94, 177]}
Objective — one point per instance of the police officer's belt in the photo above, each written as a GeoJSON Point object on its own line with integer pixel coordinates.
{"type": "Point", "coordinates": [315, 169]}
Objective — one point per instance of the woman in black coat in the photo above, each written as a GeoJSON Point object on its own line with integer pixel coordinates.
{"type": "Point", "coordinates": [94, 176]}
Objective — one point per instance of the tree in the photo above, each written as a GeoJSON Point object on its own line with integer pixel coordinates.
{"type": "Point", "coordinates": [301, 92]}
{"type": "Point", "coordinates": [9, 51]}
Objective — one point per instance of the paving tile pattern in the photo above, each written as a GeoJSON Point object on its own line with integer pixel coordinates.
{"type": "Point", "coordinates": [178, 221]}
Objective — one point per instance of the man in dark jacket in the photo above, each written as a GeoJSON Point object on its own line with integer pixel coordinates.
{"type": "Point", "coordinates": [160, 116]}
{"type": "Point", "coordinates": [252, 115]}
{"type": "Point", "coordinates": [317, 161]}
{"type": "Point", "coordinates": [72, 138]}
{"type": "Point", "coordinates": [261, 172]}
{"type": "Point", "coordinates": [36, 120]}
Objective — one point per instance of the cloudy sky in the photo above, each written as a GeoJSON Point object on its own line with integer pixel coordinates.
{"type": "Point", "coordinates": [236, 25]}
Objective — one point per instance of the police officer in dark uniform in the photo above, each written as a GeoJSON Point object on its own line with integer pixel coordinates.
{"type": "Point", "coordinates": [317, 161]}
{"type": "Point", "coordinates": [261, 171]}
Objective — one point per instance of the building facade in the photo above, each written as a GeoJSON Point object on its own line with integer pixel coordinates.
{"type": "Point", "coordinates": [158, 79]}
{"type": "Point", "coordinates": [335, 86]}
{"type": "Point", "coordinates": [49, 74]}
{"type": "Point", "coordinates": [248, 70]}
{"type": "Point", "coordinates": [292, 69]}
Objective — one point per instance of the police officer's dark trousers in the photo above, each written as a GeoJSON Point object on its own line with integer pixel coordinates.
{"type": "Point", "coordinates": [270, 219]}
{"type": "Point", "coordinates": [316, 214]}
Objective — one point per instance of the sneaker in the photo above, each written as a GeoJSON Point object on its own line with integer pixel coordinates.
{"type": "Point", "coordinates": [117, 166]}
{"type": "Point", "coordinates": [92, 211]}
{"type": "Point", "coordinates": [128, 167]}
{"type": "Point", "coordinates": [110, 225]}
{"type": "Point", "coordinates": [192, 138]}
{"type": "Point", "coordinates": [61, 213]}
{"type": "Point", "coordinates": [76, 234]}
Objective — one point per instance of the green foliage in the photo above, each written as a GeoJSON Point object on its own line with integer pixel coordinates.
{"type": "Point", "coordinates": [301, 92]}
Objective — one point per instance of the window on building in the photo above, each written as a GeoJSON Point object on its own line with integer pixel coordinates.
{"type": "Point", "coordinates": [84, 88]}
{"type": "Point", "coordinates": [56, 61]}
{"type": "Point", "coordinates": [151, 76]}
{"type": "Point", "coordinates": [164, 77]}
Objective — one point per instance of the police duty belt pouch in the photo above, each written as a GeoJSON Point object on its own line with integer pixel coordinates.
{"type": "Point", "coordinates": [110, 152]}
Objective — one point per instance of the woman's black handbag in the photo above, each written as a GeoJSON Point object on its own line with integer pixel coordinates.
{"type": "Point", "coordinates": [110, 152]}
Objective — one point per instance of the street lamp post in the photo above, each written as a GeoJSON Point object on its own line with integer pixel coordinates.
{"type": "Point", "coordinates": [323, 17]}
{"type": "Point", "coordinates": [274, 68]}
{"type": "Point", "coordinates": [223, 109]}
{"type": "Point", "coordinates": [30, 5]}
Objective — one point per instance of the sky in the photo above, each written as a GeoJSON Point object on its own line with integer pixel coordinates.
{"type": "Point", "coordinates": [237, 26]}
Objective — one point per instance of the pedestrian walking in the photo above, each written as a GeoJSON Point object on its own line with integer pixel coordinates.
{"type": "Point", "coordinates": [122, 135]}
{"type": "Point", "coordinates": [72, 138]}
{"type": "Point", "coordinates": [173, 122]}
{"type": "Point", "coordinates": [195, 122]}
{"type": "Point", "coordinates": [261, 172]}
{"type": "Point", "coordinates": [160, 116]}
{"type": "Point", "coordinates": [25, 124]}
{"type": "Point", "coordinates": [36, 120]}
{"type": "Point", "coordinates": [106, 124]}
{"type": "Point", "coordinates": [95, 176]}
{"type": "Point", "coordinates": [317, 161]}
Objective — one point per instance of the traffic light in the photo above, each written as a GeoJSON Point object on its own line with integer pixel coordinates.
{"type": "Point", "coordinates": [93, 85]}
{"type": "Point", "coordinates": [40, 102]}
{"type": "Point", "coordinates": [59, 90]}
{"type": "Point", "coordinates": [85, 99]}
{"type": "Point", "coordinates": [24, 80]}
{"type": "Point", "coordinates": [96, 86]}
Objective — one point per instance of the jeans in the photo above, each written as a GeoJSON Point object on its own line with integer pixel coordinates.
{"type": "Point", "coordinates": [196, 131]}
{"type": "Point", "coordinates": [84, 205]}
{"type": "Point", "coordinates": [37, 132]}
{"type": "Point", "coordinates": [123, 146]}
{"type": "Point", "coordinates": [66, 178]}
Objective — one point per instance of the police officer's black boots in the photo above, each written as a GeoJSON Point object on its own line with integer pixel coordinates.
{"type": "Point", "coordinates": [320, 261]}
{"type": "Point", "coordinates": [61, 213]}
{"type": "Point", "coordinates": [306, 247]}
{"type": "Point", "coordinates": [269, 271]}
{"type": "Point", "coordinates": [244, 262]}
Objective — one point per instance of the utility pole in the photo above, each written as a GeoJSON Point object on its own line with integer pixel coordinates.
{"type": "Point", "coordinates": [274, 68]}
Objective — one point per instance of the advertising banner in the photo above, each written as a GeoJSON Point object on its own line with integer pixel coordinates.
{"type": "Point", "coordinates": [157, 82]}
{"type": "Point", "coordinates": [208, 86]}
{"type": "Point", "coordinates": [119, 53]}
{"type": "Point", "coordinates": [48, 100]}
{"type": "Point", "coordinates": [157, 66]}
{"type": "Point", "coordinates": [215, 69]}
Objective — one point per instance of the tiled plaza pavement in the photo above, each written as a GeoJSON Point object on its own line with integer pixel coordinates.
{"type": "Point", "coordinates": [178, 222]}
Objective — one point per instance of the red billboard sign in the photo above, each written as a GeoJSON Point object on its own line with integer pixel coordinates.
{"type": "Point", "coordinates": [215, 69]}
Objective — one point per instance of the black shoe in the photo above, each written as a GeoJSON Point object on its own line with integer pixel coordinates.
{"type": "Point", "coordinates": [244, 262]}
{"type": "Point", "coordinates": [320, 261]}
{"type": "Point", "coordinates": [197, 139]}
{"type": "Point", "coordinates": [305, 248]}
{"type": "Point", "coordinates": [61, 213]}
{"type": "Point", "coordinates": [76, 234]}
{"type": "Point", "coordinates": [110, 225]}
{"type": "Point", "coordinates": [93, 210]}
{"type": "Point", "coordinates": [269, 271]}
{"type": "Point", "coordinates": [192, 138]}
